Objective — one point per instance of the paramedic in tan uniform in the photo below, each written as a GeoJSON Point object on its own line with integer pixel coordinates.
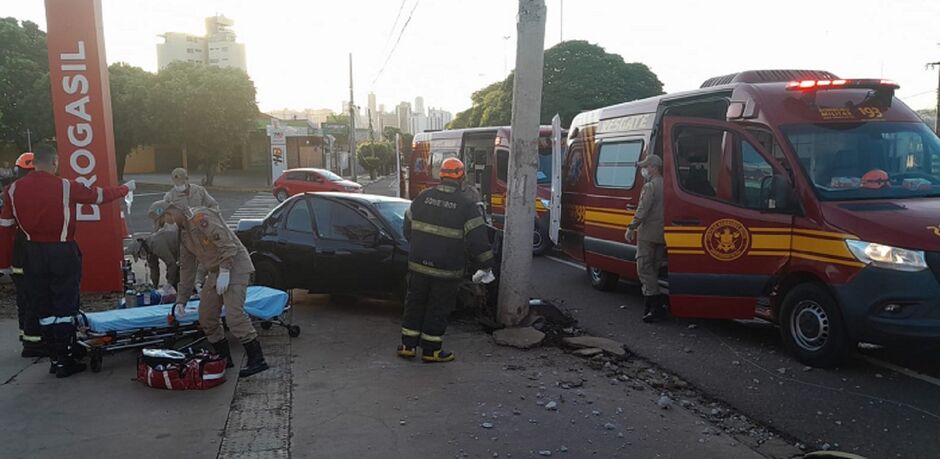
{"type": "Point", "coordinates": [651, 247]}
{"type": "Point", "coordinates": [185, 194]}
{"type": "Point", "coordinates": [205, 239]}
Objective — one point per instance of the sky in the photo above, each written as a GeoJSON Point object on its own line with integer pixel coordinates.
{"type": "Point", "coordinates": [297, 50]}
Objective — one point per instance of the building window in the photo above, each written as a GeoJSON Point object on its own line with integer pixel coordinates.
{"type": "Point", "coordinates": [189, 50]}
{"type": "Point", "coordinates": [225, 49]}
{"type": "Point", "coordinates": [213, 61]}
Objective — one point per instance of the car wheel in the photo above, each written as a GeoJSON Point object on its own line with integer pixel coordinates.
{"type": "Point", "coordinates": [281, 195]}
{"type": "Point", "coordinates": [602, 280]}
{"type": "Point", "coordinates": [267, 274]}
{"type": "Point", "coordinates": [541, 243]}
{"type": "Point", "coordinates": [811, 327]}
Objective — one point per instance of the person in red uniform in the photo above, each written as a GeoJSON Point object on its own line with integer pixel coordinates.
{"type": "Point", "coordinates": [42, 206]}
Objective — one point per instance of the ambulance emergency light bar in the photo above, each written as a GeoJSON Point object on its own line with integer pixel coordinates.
{"type": "Point", "coordinates": [816, 85]}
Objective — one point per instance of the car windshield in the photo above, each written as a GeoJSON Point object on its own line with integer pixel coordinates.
{"type": "Point", "coordinates": [330, 175]}
{"type": "Point", "coordinates": [544, 174]}
{"type": "Point", "coordinates": [871, 160]}
{"type": "Point", "coordinates": [394, 213]}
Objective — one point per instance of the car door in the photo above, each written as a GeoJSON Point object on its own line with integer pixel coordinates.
{"type": "Point", "coordinates": [316, 182]}
{"type": "Point", "coordinates": [297, 245]}
{"type": "Point", "coordinates": [724, 240]}
{"type": "Point", "coordinates": [349, 246]}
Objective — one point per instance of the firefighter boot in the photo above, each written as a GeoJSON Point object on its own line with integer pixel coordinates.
{"type": "Point", "coordinates": [33, 347]}
{"type": "Point", "coordinates": [408, 348]}
{"type": "Point", "coordinates": [649, 308]}
{"type": "Point", "coordinates": [225, 351]}
{"type": "Point", "coordinates": [256, 363]}
{"type": "Point", "coordinates": [65, 364]}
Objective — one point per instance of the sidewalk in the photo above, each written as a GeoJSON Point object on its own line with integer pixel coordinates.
{"type": "Point", "coordinates": [338, 390]}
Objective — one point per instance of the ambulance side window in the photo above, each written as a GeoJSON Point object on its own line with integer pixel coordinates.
{"type": "Point", "coordinates": [698, 154]}
{"type": "Point", "coordinates": [502, 164]}
{"type": "Point", "coordinates": [437, 158]}
{"type": "Point", "coordinates": [616, 164]}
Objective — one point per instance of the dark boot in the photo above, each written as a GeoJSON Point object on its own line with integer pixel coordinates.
{"type": "Point", "coordinates": [68, 367]}
{"type": "Point", "coordinates": [438, 356]}
{"type": "Point", "coordinates": [647, 305]}
{"type": "Point", "coordinates": [408, 348]}
{"type": "Point", "coordinates": [32, 349]}
{"type": "Point", "coordinates": [256, 363]}
{"type": "Point", "coordinates": [649, 311]}
{"type": "Point", "coordinates": [657, 309]}
{"type": "Point", "coordinates": [225, 351]}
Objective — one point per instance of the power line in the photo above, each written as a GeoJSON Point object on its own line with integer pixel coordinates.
{"type": "Point", "coordinates": [391, 32]}
{"type": "Point", "coordinates": [397, 41]}
{"type": "Point", "coordinates": [932, 91]}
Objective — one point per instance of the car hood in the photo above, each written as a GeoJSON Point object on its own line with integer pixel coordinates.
{"type": "Point", "coordinates": [348, 183]}
{"type": "Point", "coordinates": [910, 224]}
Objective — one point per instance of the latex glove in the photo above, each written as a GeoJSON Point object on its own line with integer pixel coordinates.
{"type": "Point", "coordinates": [131, 185]}
{"type": "Point", "coordinates": [179, 310]}
{"type": "Point", "coordinates": [483, 276]}
{"type": "Point", "coordinates": [630, 235]}
{"type": "Point", "coordinates": [221, 282]}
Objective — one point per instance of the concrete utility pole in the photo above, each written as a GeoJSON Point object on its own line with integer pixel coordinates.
{"type": "Point", "coordinates": [352, 126]}
{"type": "Point", "coordinates": [561, 21]}
{"type": "Point", "coordinates": [523, 164]}
{"type": "Point", "coordinates": [398, 164]}
{"type": "Point", "coordinates": [936, 124]}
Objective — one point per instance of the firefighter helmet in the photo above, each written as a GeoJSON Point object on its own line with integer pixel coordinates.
{"type": "Point", "coordinates": [25, 161]}
{"type": "Point", "coordinates": [875, 179]}
{"type": "Point", "coordinates": [452, 168]}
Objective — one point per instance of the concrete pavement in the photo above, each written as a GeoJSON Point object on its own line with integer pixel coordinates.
{"type": "Point", "coordinates": [350, 396]}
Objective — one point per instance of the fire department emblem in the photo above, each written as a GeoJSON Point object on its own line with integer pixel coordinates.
{"type": "Point", "coordinates": [726, 240]}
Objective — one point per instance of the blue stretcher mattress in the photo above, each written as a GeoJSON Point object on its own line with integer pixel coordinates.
{"type": "Point", "coordinates": [261, 303]}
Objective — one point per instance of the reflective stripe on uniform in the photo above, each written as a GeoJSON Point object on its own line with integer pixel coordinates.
{"type": "Point", "coordinates": [66, 211]}
{"type": "Point", "coordinates": [433, 339]}
{"type": "Point", "coordinates": [473, 224]}
{"type": "Point", "coordinates": [485, 256]}
{"type": "Point", "coordinates": [446, 188]}
{"type": "Point", "coordinates": [10, 193]}
{"type": "Point", "coordinates": [7, 222]}
{"type": "Point", "coordinates": [437, 230]}
{"type": "Point", "coordinates": [409, 332]}
{"type": "Point", "coordinates": [31, 339]}
{"type": "Point", "coordinates": [52, 320]}
{"type": "Point", "coordinates": [15, 270]}
{"type": "Point", "coordinates": [434, 272]}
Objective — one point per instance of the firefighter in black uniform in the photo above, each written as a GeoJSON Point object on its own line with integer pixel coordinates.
{"type": "Point", "coordinates": [30, 334]}
{"type": "Point", "coordinates": [445, 226]}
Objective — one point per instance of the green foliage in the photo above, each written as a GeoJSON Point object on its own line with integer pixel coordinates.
{"type": "Point", "coordinates": [132, 109]}
{"type": "Point", "coordinates": [209, 109]}
{"type": "Point", "coordinates": [24, 84]}
{"type": "Point", "coordinates": [577, 76]}
{"type": "Point", "coordinates": [376, 157]}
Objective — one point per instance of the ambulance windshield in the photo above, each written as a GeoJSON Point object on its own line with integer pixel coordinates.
{"type": "Point", "coordinates": [868, 160]}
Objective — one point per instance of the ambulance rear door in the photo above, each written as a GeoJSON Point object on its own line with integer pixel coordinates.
{"type": "Point", "coordinates": [728, 218]}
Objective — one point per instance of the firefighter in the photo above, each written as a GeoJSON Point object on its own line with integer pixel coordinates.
{"type": "Point", "coordinates": [30, 335]}
{"type": "Point", "coordinates": [651, 247]}
{"type": "Point", "coordinates": [162, 244]}
{"type": "Point", "coordinates": [189, 195]}
{"type": "Point", "coordinates": [444, 226]}
{"type": "Point", "coordinates": [204, 238]}
{"type": "Point", "coordinates": [42, 205]}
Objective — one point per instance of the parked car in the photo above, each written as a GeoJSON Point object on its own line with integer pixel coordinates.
{"type": "Point", "coordinates": [296, 181]}
{"type": "Point", "coordinates": [336, 243]}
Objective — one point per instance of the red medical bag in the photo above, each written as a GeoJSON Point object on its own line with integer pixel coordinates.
{"type": "Point", "coordinates": [173, 370]}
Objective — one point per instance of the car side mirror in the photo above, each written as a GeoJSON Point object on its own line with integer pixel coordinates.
{"type": "Point", "coordinates": [383, 238]}
{"type": "Point", "coordinates": [777, 194]}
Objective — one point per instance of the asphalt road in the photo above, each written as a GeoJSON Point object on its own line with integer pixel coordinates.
{"type": "Point", "coordinates": [145, 195]}
{"type": "Point", "coordinates": [861, 407]}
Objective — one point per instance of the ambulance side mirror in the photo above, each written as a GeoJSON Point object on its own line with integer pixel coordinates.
{"type": "Point", "coordinates": [778, 195]}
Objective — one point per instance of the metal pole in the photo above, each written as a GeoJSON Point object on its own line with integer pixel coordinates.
{"type": "Point", "coordinates": [29, 140]}
{"type": "Point", "coordinates": [523, 164]}
{"type": "Point", "coordinates": [937, 115]}
{"type": "Point", "coordinates": [352, 125]}
{"type": "Point", "coordinates": [561, 21]}
{"type": "Point", "coordinates": [398, 164]}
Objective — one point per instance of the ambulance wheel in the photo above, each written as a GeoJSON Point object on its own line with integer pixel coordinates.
{"type": "Point", "coordinates": [602, 280]}
{"type": "Point", "coordinates": [293, 331]}
{"type": "Point", "coordinates": [266, 324]}
{"type": "Point", "coordinates": [95, 362]}
{"type": "Point", "coordinates": [811, 327]}
{"type": "Point", "coordinates": [541, 242]}
{"type": "Point", "coordinates": [281, 195]}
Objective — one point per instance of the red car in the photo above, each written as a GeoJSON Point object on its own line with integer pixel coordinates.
{"type": "Point", "coordinates": [296, 181]}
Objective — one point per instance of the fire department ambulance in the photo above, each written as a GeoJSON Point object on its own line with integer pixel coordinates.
{"type": "Point", "coordinates": [793, 196]}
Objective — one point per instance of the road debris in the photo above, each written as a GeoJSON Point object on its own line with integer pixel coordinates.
{"type": "Point", "coordinates": [518, 337]}
{"type": "Point", "coordinates": [608, 345]}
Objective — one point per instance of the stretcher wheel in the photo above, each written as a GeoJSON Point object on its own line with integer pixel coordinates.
{"type": "Point", "coordinates": [266, 324]}
{"type": "Point", "coordinates": [95, 362]}
{"type": "Point", "coordinates": [293, 331]}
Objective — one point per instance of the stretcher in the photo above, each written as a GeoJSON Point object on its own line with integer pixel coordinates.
{"type": "Point", "coordinates": [148, 326]}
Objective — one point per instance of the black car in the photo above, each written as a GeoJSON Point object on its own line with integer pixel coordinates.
{"type": "Point", "coordinates": [336, 243]}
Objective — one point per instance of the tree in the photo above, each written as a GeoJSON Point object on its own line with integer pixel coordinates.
{"type": "Point", "coordinates": [388, 133]}
{"type": "Point", "coordinates": [131, 109]}
{"type": "Point", "coordinates": [577, 76]}
{"type": "Point", "coordinates": [376, 157]}
{"type": "Point", "coordinates": [210, 110]}
{"type": "Point", "coordinates": [24, 84]}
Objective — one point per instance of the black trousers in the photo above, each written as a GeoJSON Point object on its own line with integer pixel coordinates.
{"type": "Point", "coordinates": [428, 304]}
{"type": "Point", "coordinates": [25, 313]}
{"type": "Point", "coordinates": [52, 273]}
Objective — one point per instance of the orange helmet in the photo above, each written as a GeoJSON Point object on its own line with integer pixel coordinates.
{"type": "Point", "coordinates": [25, 161]}
{"type": "Point", "coordinates": [875, 179]}
{"type": "Point", "coordinates": [452, 168]}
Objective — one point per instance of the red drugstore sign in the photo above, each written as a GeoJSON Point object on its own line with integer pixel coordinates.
{"type": "Point", "coordinates": [81, 100]}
